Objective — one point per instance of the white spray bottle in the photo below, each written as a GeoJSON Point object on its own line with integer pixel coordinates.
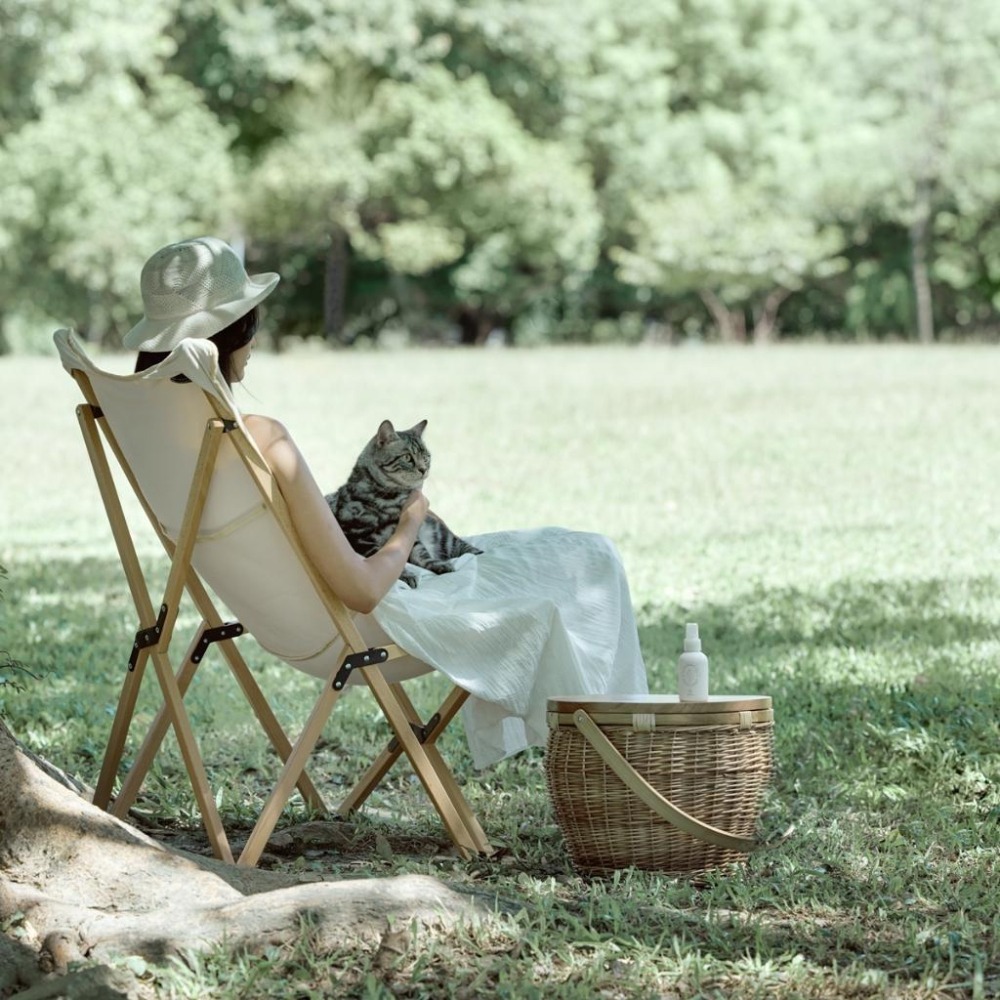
{"type": "Point", "coordinates": [692, 668]}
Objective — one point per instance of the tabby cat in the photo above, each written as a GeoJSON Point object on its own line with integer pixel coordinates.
{"type": "Point", "coordinates": [368, 505]}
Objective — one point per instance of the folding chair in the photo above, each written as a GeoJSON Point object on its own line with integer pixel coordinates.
{"type": "Point", "coordinates": [217, 509]}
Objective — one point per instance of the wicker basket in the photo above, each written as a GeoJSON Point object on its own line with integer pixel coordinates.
{"type": "Point", "coordinates": [654, 783]}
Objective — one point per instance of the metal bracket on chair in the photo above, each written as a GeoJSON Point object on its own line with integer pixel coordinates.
{"type": "Point", "coordinates": [228, 630]}
{"type": "Point", "coordinates": [422, 733]}
{"type": "Point", "coordinates": [146, 637]}
{"type": "Point", "coordinates": [366, 658]}
{"type": "Point", "coordinates": [228, 425]}
{"type": "Point", "coordinates": [95, 411]}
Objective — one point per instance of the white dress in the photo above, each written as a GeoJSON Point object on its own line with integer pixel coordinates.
{"type": "Point", "coordinates": [541, 613]}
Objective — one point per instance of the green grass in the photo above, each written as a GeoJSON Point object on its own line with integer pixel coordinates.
{"type": "Point", "coordinates": [827, 515]}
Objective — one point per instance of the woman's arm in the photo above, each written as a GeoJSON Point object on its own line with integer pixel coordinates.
{"type": "Point", "coordinates": [358, 581]}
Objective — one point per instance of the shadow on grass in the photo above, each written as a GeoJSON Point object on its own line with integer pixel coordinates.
{"type": "Point", "coordinates": [887, 712]}
{"type": "Point", "coordinates": [865, 615]}
{"type": "Point", "coordinates": [845, 666]}
{"type": "Point", "coordinates": [887, 722]}
{"type": "Point", "coordinates": [869, 680]}
{"type": "Point", "coordinates": [76, 622]}
{"type": "Point", "coordinates": [857, 655]}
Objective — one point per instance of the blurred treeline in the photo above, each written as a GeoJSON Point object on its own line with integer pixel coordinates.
{"type": "Point", "coordinates": [538, 170]}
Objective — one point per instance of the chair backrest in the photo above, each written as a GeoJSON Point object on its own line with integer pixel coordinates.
{"type": "Point", "coordinates": [244, 549]}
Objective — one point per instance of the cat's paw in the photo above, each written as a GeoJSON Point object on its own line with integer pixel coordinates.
{"type": "Point", "coordinates": [439, 567]}
{"type": "Point", "coordinates": [410, 579]}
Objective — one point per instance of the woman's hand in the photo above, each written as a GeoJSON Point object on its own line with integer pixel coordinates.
{"type": "Point", "coordinates": [414, 510]}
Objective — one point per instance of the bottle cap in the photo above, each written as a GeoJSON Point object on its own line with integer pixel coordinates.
{"type": "Point", "coordinates": [692, 643]}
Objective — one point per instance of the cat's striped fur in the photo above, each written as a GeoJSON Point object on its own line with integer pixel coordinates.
{"type": "Point", "coordinates": [368, 505]}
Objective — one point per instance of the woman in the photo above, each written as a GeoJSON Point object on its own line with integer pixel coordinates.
{"type": "Point", "coordinates": [539, 613]}
{"type": "Point", "coordinates": [199, 288]}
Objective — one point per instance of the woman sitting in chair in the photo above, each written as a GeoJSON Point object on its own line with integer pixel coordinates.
{"type": "Point", "coordinates": [539, 613]}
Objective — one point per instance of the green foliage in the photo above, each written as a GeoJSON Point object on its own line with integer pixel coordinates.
{"type": "Point", "coordinates": [114, 164]}
{"type": "Point", "coordinates": [88, 167]}
{"type": "Point", "coordinates": [8, 665]}
{"type": "Point", "coordinates": [515, 212]}
{"type": "Point", "coordinates": [539, 166]}
{"type": "Point", "coordinates": [922, 83]}
{"type": "Point", "coordinates": [50, 51]}
{"type": "Point", "coordinates": [435, 173]}
{"type": "Point", "coordinates": [727, 204]}
{"type": "Point", "coordinates": [823, 513]}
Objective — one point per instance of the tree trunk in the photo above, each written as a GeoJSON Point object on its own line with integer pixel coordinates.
{"type": "Point", "coordinates": [766, 318]}
{"type": "Point", "coordinates": [475, 326]}
{"type": "Point", "coordinates": [335, 287]}
{"type": "Point", "coordinates": [76, 883]}
{"type": "Point", "coordinates": [730, 324]}
{"type": "Point", "coordinates": [920, 249]}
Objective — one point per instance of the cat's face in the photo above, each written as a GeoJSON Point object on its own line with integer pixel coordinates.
{"type": "Point", "coordinates": [400, 457]}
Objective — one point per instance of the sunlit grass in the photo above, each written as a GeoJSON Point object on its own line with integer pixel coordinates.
{"type": "Point", "coordinates": [827, 515]}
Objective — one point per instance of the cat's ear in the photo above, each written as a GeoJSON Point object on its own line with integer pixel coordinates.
{"type": "Point", "coordinates": [386, 433]}
{"type": "Point", "coordinates": [418, 429]}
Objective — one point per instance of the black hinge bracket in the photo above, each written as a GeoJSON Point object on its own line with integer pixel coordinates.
{"type": "Point", "coordinates": [147, 637]}
{"type": "Point", "coordinates": [367, 658]}
{"type": "Point", "coordinates": [422, 732]}
{"type": "Point", "coordinates": [228, 425]}
{"type": "Point", "coordinates": [227, 630]}
{"type": "Point", "coordinates": [96, 412]}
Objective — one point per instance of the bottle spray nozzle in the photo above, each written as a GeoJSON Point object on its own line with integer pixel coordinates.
{"type": "Point", "coordinates": [692, 643]}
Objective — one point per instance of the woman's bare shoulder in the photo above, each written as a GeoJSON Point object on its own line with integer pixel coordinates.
{"type": "Point", "coordinates": [266, 431]}
{"type": "Point", "coordinates": [278, 448]}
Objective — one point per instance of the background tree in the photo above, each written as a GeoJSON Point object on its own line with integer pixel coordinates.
{"type": "Point", "coordinates": [291, 81]}
{"type": "Point", "coordinates": [723, 189]}
{"type": "Point", "coordinates": [572, 169]}
{"type": "Point", "coordinates": [458, 183]}
{"type": "Point", "coordinates": [403, 153]}
{"type": "Point", "coordinates": [104, 157]}
{"type": "Point", "coordinates": [113, 172]}
{"type": "Point", "coordinates": [918, 153]}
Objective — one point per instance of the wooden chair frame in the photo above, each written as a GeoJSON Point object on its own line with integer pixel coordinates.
{"type": "Point", "coordinates": [411, 737]}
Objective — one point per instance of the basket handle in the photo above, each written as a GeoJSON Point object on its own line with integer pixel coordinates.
{"type": "Point", "coordinates": [660, 805]}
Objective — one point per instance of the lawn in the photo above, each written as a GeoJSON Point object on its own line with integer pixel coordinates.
{"type": "Point", "coordinates": [826, 514]}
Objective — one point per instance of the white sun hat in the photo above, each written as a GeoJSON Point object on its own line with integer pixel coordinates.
{"type": "Point", "coordinates": [194, 288]}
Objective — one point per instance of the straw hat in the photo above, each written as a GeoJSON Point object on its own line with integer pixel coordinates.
{"type": "Point", "coordinates": [194, 288]}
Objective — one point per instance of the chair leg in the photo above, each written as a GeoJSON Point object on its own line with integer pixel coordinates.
{"type": "Point", "coordinates": [192, 758]}
{"type": "Point", "coordinates": [434, 774]}
{"type": "Point", "coordinates": [252, 692]}
{"type": "Point", "coordinates": [172, 713]}
{"type": "Point", "coordinates": [140, 596]}
{"type": "Point", "coordinates": [282, 745]}
{"type": "Point", "coordinates": [447, 712]}
{"type": "Point", "coordinates": [119, 732]}
{"type": "Point", "coordinates": [282, 791]}
{"type": "Point", "coordinates": [383, 763]}
{"type": "Point", "coordinates": [151, 744]}
{"type": "Point", "coordinates": [476, 835]}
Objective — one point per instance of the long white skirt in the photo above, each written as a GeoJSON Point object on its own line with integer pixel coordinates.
{"type": "Point", "coordinates": [542, 613]}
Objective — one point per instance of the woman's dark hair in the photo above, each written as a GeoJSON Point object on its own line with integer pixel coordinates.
{"type": "Point", "coordinates": [238, 334]}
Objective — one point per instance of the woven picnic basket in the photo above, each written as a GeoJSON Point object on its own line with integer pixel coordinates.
{"type": "Point", "coordinates": [650, 782]}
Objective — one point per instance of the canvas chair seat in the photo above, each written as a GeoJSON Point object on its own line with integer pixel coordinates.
{"type": "Point", "coordinates": [213, 502]}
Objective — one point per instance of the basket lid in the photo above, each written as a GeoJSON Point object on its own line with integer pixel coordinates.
{"type": "Point", "coordinates": [655, 711]}
{"type": "Point", "coordinates": [658, 704]}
